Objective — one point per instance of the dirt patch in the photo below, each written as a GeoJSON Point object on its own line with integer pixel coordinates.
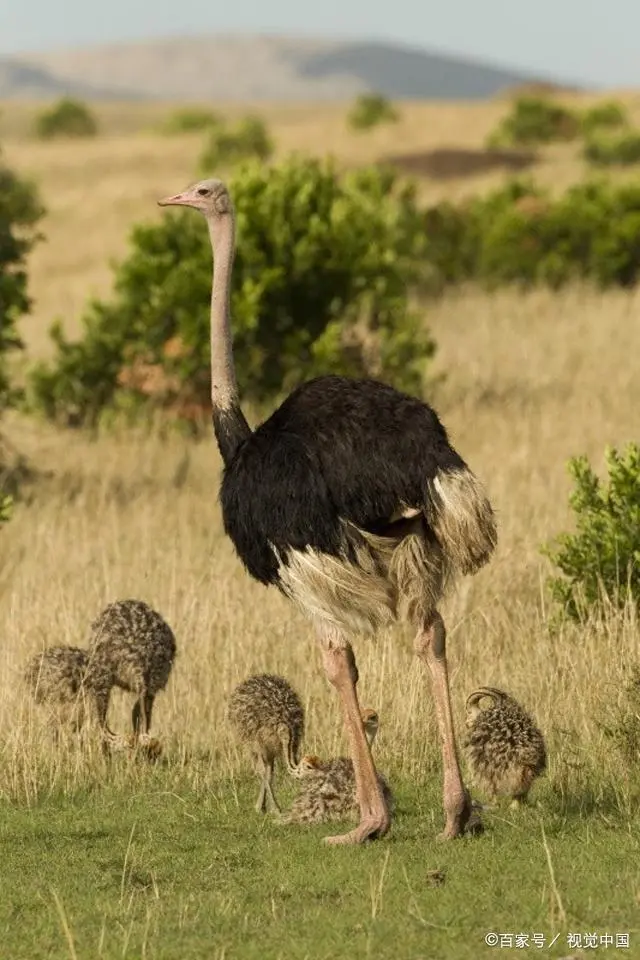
{"type": "Point", "coordinates": [538, 90]}
{"type": "Point", "coordinates": [448, 163]}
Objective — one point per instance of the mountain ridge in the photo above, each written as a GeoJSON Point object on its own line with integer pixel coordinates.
{"type": "Point", "coordinates": [258, 67]}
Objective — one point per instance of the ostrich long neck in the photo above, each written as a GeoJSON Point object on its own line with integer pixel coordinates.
{"type": "Point", "coordinates": [229, 424]}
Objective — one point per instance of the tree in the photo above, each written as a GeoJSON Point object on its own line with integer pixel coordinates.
{"type": "Point", "coordinates": [371, 110]}
{"type": "Point", "coordinates": [229, 145]}
{"type": "Point", "coordinates": [66, 118]}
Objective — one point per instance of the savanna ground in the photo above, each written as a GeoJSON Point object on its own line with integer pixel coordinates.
{"type": "Point", "coordinates": [171, 861]}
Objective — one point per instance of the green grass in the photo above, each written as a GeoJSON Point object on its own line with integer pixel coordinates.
{"type": "Point", "coordinates": [158, 871]}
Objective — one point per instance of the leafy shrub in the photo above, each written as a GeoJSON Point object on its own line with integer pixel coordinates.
{"type": "Point", "coordinates": [229, 145]}
{"type": "Point", "coordinates": [520, 235]}
{"type": "Point", "coordinates": [535, 120]}
{"type": "Point", "coordinates": [601, 560]}
{"type": "Point", "coordinates": [322, 276]}
{"type": "Point", "coordinates": [606, 150]}
{"type": "Point", "coordinates": [190, 120]}
{"type": "Point", "coordinates": [370, 110]}
{"type": "Point", "coordinates": [20, 211]}
{"type": "Point", "coordinates": [457, 235]}
{"type": "Point", "coordinates": [603, 116]}
{"type": "Point", "coordinates": [6, 508]}
{"type": "Point", "coordinates": [66, 118]}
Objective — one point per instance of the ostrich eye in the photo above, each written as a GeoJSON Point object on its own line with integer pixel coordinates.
{"type": "Point", "coordinates": [203, 192]}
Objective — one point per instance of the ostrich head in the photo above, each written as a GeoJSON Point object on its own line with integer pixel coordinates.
{"type": "Point", "coordinates": [474, 707]}
{"type": "Point", "coordinates": [308, 764]}
{"type": "Point", "coordinates": [210, 197]}
{"type": "Point", "coordinates": [371, 722]}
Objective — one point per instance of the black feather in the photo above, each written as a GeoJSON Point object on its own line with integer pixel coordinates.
{"type": "Point", "coordinates": [336, 449]}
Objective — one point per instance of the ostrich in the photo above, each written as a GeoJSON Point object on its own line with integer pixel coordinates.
{"type": "Point", "coordinates": [133, 648]}
{"type": "Point", "coordinates": [268, 715]}
{"type": "Point", "coordinates": [54, 678]}
{"type": "Point", "coordinates": [506, 750]}
{"type": "Point", "coordinates": [328, 789]}
{"type": "Point", "coordinates": [351, 500]}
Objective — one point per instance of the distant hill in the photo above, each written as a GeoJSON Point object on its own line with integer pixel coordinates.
{"type": "Point", "coordinates": [28, 81]}
{"type": "Point", "coordinates": [253, 68]}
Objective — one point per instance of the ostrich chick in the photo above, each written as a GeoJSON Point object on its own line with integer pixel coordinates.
{"type": "Point", "coordinates": [328, 790]}
{"type": "Point", "coordinates": [54, 678]}
{"type": "Point", "coordinates": [505, 748]}
{"type": "Point", "coordinates": [268, 715]}
{"type": "Point", "coordinates": [131, 647]}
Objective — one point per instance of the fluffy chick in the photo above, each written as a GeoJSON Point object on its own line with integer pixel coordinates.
{"type": "Point", "coordinates": [328, 788]}
{"type": "Point", "coordinates": [54, 679]}
{"type": "Point", "coordinates": [505, 748]}
{"type": "Point", "coordinates": [268, 716]}
{"type": "Point", "coordinates": [131, 647]}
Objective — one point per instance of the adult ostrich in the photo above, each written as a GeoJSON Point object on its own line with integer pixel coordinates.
{"type": "Point", "coordinates": [352, 501]}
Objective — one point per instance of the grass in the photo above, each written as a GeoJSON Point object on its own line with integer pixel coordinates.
{"type": "Point", "coordinates": [530, 381]}
{"type": "Point", "coordinates": [159, 869]}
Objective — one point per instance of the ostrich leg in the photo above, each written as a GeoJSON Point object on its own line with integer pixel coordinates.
{"type": "Point", "coordinates": [340, 668]}
{"type": "Point", "coordinates": [430, 646]}
{"type": "Point", "coordinates": [101, 699]}
{"type": "Point", "coordinates": [141, 713]}
{"type": "Point", "coordinates": [272, 803]}
{"type": "Point", "coordinates": [264, 768]}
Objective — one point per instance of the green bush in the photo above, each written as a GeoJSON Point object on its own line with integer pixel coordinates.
{"type": "Point", "coordinates": [371, 110]}
{"type": "Point", "coordinates": [600, 562]}
{"type": "Point", "coordinates": [190, 120]}
{"type": "Point", "coordinates": [230, 145]}
{"type": "Point", "coordinates": [66, 118]}
{"type": "Point", "coordinates": [613, 149]}
{"type": "Point", "coordinates": [20, 211]}
{"type": "Point", "coordinates": [323, 272]}
{"type": "Point", "coordinates": [520, 235]}
{"type": "Point", "coordinates": [603, 116]}
{"type": "Point", "coordinates": [6, 508]}
{"type": "Point", "coordinates": [457, 235]}
{"type": "Point", "coordinates": [535, 120]}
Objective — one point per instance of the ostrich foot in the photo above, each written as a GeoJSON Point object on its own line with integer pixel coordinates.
{"type": "Point", "coordinates": [371, 828]}
{"type": "Point", "coordinates": [461, 817]}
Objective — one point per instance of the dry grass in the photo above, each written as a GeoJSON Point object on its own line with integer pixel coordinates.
{"type": "Point", "coordinates": [531, 381]}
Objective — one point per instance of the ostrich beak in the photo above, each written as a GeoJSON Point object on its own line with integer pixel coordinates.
{"type": "Point", "coordinates": [178, 200]}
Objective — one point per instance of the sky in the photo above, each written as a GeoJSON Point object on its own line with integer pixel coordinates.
{"type": "Point", "coordinates": [589, 41]}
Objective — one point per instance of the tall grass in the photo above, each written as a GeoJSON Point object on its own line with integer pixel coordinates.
{"type": "Point", "coordinates": [530, 381]}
